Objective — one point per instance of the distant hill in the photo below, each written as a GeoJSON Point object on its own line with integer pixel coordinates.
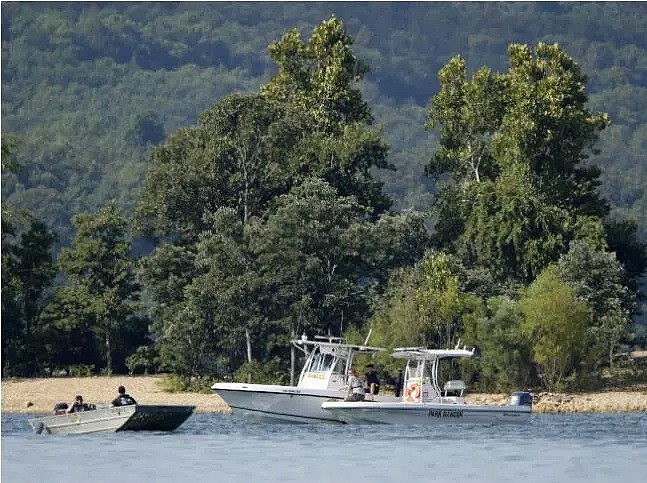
{"type": "Point", "coordinates": [89, 88]}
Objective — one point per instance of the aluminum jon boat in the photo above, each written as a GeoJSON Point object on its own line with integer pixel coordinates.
{"type": "Point", "coordinates": [123, 418]}
{"type": "Point", "coordinates": [423, 402]}
{"type": "Point", "coordinates": [323, 376]}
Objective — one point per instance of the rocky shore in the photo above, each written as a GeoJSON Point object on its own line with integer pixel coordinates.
{"type": "Point", "coordinates": [40, 395]}
{"type": "Point", "coordinates": [626, 401]}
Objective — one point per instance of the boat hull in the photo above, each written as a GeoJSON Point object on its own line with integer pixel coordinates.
{"type": "Point", "coordinates": [424, 413]}
{"type": "Point", "coordinates": [279, 403]}
{"type": "Point", "coordinates": [123, 418]}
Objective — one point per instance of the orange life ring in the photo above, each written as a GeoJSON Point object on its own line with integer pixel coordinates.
{"type": "Point", "coordinates": [413, 392]}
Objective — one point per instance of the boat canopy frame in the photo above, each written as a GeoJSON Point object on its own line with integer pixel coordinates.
{"type": "Point", "coordinates": [324, 353]}
{"type": "Point", "coordinates": [419, 358]}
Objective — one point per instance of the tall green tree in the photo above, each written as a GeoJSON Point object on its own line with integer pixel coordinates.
{"type": "Point", "coordinates": [514, 145]}
{"type": "Point", "coordinates": [101, 290]}
{"type": "Point", "coordinates": [310, 256]}
{"type": "Point", "coordinates": [282, 184]}
{"type": "Point", "coordinates": [320, 76]}
{"type": "Point", "coordinates": [28, 270]}
{"type": "Point", "coordinates": [235, 157]}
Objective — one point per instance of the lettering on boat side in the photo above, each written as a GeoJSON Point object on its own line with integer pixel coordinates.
{"type": "Point", "coordinates": [291, 391]}
{"type": "Point", "coordinates": [445, 413]}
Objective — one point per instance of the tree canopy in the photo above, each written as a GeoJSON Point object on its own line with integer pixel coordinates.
{"type": "Point", "coordinates": [277, 185]}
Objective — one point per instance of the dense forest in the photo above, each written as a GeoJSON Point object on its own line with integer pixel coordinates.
{"type": "Point", "coordinates": [178, 174]}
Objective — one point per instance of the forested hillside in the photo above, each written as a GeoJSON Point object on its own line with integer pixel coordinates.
{"type": "Point", "coordinates": [89, 88]}
{"type": "Point", "coordinates": [180, 177]}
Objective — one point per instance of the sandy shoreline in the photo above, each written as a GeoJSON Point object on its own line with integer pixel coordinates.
{"type": "Point", "coordinates": [44, 393]}
{"type": "Point", "coordinates": [40, 395]}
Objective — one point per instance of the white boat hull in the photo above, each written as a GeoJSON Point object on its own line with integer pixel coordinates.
{"type": "Point", "coordinates": [109, 419]}
{"type": "Point", "coordinates": [424, 413]}
{"type": "Point", "coordinates": [284, 403]}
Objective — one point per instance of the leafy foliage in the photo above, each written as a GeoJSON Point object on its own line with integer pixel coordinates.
{"type": "Point", "coordinates": [598, 278]}
{"type": "Point", "coordinates": [506, 354]}
{"type": "Point", "coordinates": [556, 324]}
{"type": "Point", "coordinates": [271, 213]}
{"type": "Point", "coordinates": [102, 292]}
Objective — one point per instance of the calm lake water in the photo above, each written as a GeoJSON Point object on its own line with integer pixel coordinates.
{"type": "Point", "coordinates": [226, 448]}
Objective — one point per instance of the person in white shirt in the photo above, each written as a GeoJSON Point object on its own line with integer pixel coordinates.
{"type": "Point", "coordinates": [355, 387]}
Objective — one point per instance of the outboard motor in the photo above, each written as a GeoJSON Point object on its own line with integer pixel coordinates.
{"type": "Point", "coordinates": [520, 398]}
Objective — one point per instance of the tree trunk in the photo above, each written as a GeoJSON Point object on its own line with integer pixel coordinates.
{"type": "Point", "coordinates": [292, 360]}
{"type": "Point", "coordinates": [249, 355]}
{"type": "Point", "coordinates": [108, 354]}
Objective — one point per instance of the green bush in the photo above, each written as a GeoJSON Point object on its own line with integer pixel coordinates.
{"type": "Point", "coordinates": [145, 359]}
{"type": "Point", "coordinates": [268, 373]}
{"type": "Point", "coordinates": [81, 370]}
{"type": "Point", "coordinates": [173, 383]}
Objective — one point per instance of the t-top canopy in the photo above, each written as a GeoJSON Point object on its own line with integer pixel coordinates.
{"type": "Point", "coordinates": [329, 347]}
{"type": "Point", "coordinates": [422, 353]}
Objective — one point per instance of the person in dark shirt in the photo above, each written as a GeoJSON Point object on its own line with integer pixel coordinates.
{"type": "Point", "coordinates": [122, 399]}
{"type": "Point", "coordinates": [399, 383]}
{"type": "Point", "coordinates": [77, 406]}
{"type": "Point", "coordinates": [372, 381]}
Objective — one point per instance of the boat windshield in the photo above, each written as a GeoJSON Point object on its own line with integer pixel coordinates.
{"type": "Point", "coordinates": [328, 361]}
{"type": "Point", "coordinates": [323, 363]}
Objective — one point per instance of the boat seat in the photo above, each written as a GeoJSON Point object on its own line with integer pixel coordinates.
{"type": "Point", "coordinates": [60, 408]}
{"type": "Point", "coordinates": [454, 387]}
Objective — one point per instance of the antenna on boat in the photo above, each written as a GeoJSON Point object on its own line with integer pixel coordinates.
{"type": "Point", "coordinates": [368, 336]}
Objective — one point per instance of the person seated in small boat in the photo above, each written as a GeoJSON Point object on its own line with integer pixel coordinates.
{"type": "Point", "coordinates": [122, 399]}
{"type": "Point", "coordinates": [372, 382]}
{"type": "Point", "coordinates": [355, 387]}
{"type": "Point", "coordinates": [77, 406]}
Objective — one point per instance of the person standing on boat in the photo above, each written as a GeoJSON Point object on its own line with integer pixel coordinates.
{"type": "Point", "coordinates": [372, 381]}
{"type": "Point", "coordinates": [77, 406]}
{"type": "Point", "coordinates": [399, 383]}
{"type": "Point", "coordinates": [122, 399]}
{"type": "Point", "coordinates": [355, 387]}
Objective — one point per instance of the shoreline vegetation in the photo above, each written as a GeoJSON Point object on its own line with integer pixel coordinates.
{"type": "Point", "coordinates": [39, 396]}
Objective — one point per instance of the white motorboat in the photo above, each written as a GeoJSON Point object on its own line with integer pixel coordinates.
{"type": "Point", "coordinates": [423, 401]}
{"type": "Point", "coordinates": [136, 417]}
{"type": "Point", "coordinates": [322, 378]}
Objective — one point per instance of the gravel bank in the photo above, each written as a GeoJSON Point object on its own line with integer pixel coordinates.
{"type": "Point", "coordinates": [628, 401]}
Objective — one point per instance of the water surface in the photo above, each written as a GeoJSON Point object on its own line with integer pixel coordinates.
{"type": "Point", "coordinates": [224, 448]}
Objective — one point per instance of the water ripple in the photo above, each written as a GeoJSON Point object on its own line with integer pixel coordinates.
{"type": "Point", "coordinates": [227, 448]}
